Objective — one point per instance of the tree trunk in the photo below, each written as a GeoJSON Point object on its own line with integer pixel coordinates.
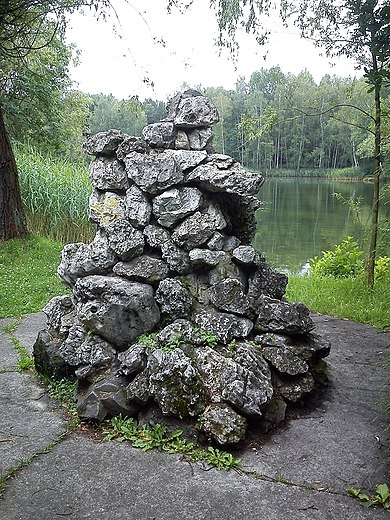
{"type": "Point", "coordinates": [12, 218]}
{"type": "Point", "coordinates": [377, 170]}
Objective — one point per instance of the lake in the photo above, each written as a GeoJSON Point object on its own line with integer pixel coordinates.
{"type": "Point", "coordinates": [299, 218]}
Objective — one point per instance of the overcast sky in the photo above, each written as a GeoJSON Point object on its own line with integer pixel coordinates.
{"type": "Point", "coordinates": [127, 63]}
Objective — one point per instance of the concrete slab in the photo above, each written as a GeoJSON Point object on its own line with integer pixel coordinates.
{"type": "Point", "coordinates": [340, 443]}
{"type": "Point", "coordinates": [82, 479]}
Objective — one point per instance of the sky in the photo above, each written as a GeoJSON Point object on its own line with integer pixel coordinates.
{"type": "Point", "coordinates": [143, 51]}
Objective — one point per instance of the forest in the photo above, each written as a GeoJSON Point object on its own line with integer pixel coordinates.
{"type": "Point", "coordinates": [272, 122]}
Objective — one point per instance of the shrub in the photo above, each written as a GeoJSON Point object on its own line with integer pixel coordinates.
{"type": "Point", "coordinates": [343, 262]}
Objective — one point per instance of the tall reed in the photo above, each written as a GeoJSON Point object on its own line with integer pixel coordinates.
{"type": "Point", "coordinates": [55, 193]}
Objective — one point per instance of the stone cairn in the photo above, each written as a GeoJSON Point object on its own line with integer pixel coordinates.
{"type": "Point", "coordinates": [170, 305]}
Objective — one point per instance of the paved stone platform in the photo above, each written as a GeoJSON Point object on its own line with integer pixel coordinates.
{"type": "Point", "coordinates": [302, 471]}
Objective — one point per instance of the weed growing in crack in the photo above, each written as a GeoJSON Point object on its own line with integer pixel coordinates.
{"type": "Point", "coordinates": [381, 497]}
{"type": "Point", "coordinates": [26, 361]}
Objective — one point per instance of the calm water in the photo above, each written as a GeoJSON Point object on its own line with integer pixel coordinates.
{"type": "Point", "coordinates": [300, 218]}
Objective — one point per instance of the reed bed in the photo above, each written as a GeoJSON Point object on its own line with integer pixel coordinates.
{"type": "Point", "coordinates": [55, 192]}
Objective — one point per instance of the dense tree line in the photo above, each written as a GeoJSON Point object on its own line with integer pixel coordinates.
{"type": "Point", "coordinates": [269, 122]}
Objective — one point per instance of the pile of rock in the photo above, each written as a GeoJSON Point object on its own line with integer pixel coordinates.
{"type": "Point", "coordinates": [170, 303]}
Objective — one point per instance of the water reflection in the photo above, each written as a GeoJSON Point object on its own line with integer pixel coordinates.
{"type": "Point", "coordinates": [299, 218]}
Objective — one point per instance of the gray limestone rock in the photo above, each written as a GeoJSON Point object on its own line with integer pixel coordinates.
{"type": "Point", "coordinates": [126, 241]}
{"type": "Point", "coordinates": [138, 208]}
{"type": "Point", "coordinates": [250, 357]}
{"type": "Point", "coordinates": [174, 383]}
{"type": "Point", "coordinates": [174, 299]}
{"type": "Point", "coordinates": [107, 173]}
{"type": "Point", "coordinates": [228, 295]}
{"type": "Point", "coordinates": [222, 161]}
{"type": "Point", "coordinates": [88, 352]}
{"type": "Point", "coordinates": [78, 260]}
{"type": "Point", "coordinates": [221, 423]}
{"type": "Point", "coordinates": [216, 242]}
{"type": "Point", "coordinates": [160, 135]}
{"type": "Point", "coordinates": [274, 414]}
{"type": "Point", "coordinates": [246, 255]}
{"type": "Point", "coordinates": [131, 144]}
{"type": "Point", "coordinates": [200, 138]}
{"type": "Point", "coordinates": [105, 207]}
{"type": "Point", "coordinates": [309, 347]}
{"type": "Point", "coordinates": [284, 360]}
{"type": "Point", "coordinates": [198, 286]}
{"type": "Point", "coordinates": [293, 389]}
{"type": "Point", "coordinates": [154, 172]}
{"type": "Point", "coordinates": [182, 142]}
{"type": "Point", "coordinates": [145, 269]}
{"type": "Point", "coordinates": [187, 160]}
{"type": "Point", "coordinates": [233, 180]}
{"type": "Point", "coordinates": [267, 281]}
{"type": "Point", "coordinates": [103, 398]}
{"type": "Point", "coordinates": [56, 309]}
{"type": "Point", "coordinates": [177, 259]}
{"type": "Point", "coordinates": [180, 331]}
{"type": "Point", "coordinates": [226, 269]}
{"type": "Point", "coordinates": [156, 236]}
{"type": "Point", "coordinates": [230, 382]}
{"type": "Point", "coordinates": [104, 143]}
{"type": "Point", "coordinates": [175, 204]}
{"type": "Point", "coordinates": [116, 309]}
{"type": "Point", "coordinates": [205, 257]}
{"type": "Point", "coordinates": [282, 317]}
{"type": "Point", "coordinates": [47, 360]}
{"type": "Point", "coordinates": [231, 243]}
{"type": "Point", "coordinates": [224, 326]}
{"type": "Point", "coordinates": [195, 111]}
{"type": "Point", "coordinates": [133, 360]}
{"type": "Point", "coordinates": [197, 229]}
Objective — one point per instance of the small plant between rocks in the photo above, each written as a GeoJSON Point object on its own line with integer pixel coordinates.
{"type": "Point", "coordinates": [381, 497]}
{"type": "Point", "coordinates": [126, 429]}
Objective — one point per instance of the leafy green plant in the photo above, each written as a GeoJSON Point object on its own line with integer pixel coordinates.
{"type": "Point", "coordinates": [381, 497]}
{"type": "Point", "coordinates": [148, 340]}
{"type": "Point", "coordinates": [382, 268]}
{"type": "Point", "coordinates": [343, 262]}
{"type": "Point", "coordinates": [174, 342]}
{"type": "Point", "coordinates": [126, 429]}
{"type": "Point", "coordinates": [209, 338]}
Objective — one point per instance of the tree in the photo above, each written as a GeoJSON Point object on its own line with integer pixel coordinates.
{"type": "Point", "coordinates": [358, 29]}
{"type": "Point", "coordinates": [26, 26]}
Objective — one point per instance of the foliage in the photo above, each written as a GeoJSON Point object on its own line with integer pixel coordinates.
{"type": "Point", "coordinates": [107, 112]}
{"type": "Point", "coordinates": [208, 337]}
{"type": "Point", "coordinates": [382, 268]}
{"type": "Point", "coordinates": [380, 497]}
{"type": "Point", "coordinates": [28, 275]}
{"type": "Point", "coordinates": [342, 262]}
{"type": "Point", "coordinates": [126, 429]}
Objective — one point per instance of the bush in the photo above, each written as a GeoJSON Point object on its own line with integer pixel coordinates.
{"type": "Point", "coordinates": [382, 268]}
{"type": "Point", "coordinates": [343, 262]}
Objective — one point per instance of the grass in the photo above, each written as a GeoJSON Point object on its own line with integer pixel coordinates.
{"type": "Point", "coordinates": [55, 193]}
{"type": "Point", "coordinates": [343, 297]}
{"type": "Point", "coordinates": [28, 275]}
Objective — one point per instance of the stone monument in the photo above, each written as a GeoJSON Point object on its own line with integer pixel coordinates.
{"type": "Point", "coordinates": [170, 304]}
